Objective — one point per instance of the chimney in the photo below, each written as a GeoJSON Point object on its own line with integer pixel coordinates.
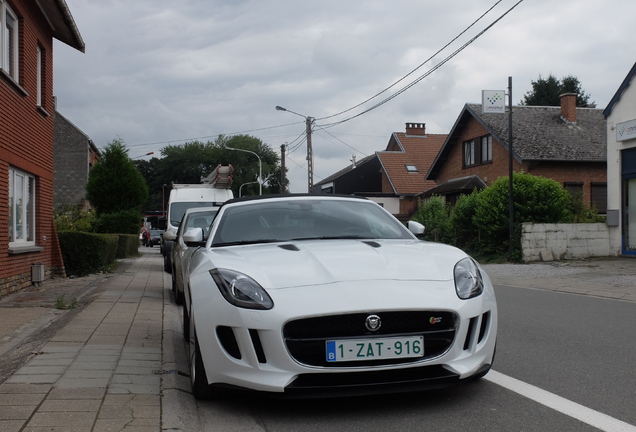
{"type": "Point", "coordinates": [568, 107]}
{"type": "Point", "coordinates": [416, 129]}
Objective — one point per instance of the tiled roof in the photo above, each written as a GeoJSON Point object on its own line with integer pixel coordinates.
{"type": "Point", "coordinates": [403, 150]}
{"type": "Point", "coordinates": [539, 133]}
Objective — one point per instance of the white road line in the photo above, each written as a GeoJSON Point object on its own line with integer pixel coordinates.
{"type": "Point", "coordinates": [562, 405]}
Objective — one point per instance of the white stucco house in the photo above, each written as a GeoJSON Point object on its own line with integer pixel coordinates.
{"type": "Point", "coordinates": [621, 167]}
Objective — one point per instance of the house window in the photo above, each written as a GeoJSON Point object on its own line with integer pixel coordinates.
{"type": "Point", "coordinates": [469, 153]}
{"type": "Point", "coordinates": [478, 151]}
{"type": "Point", "coordinates": [40, 74]}
{"type": "Point", "coordinates": [21, 208]}
{"type": "Point", "coordinates": [486, 149]}
{"type": "Point", "coordinates": [9, 41]}
{"type": "Point", "coordinates": [599, 197]}
{"type": "Point", "coordinates": [411, 168]}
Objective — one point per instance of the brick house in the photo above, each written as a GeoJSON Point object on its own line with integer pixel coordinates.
{"type": "Point", "coordinates": [26, 138]}
{"type": "Point", "coordinates": [566, 144]}
{"type": "Point", "coordinates": [393, 177]}
{"type": "Point", "coordinates": [74, 153]}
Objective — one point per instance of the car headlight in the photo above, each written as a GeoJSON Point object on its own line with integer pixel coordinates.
{"type": "Point", "coordinates": [468, 280]}
{"type": "Point", "coordinates": [241, 290]}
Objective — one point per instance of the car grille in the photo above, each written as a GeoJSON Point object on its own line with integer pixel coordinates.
{"type": "Point", "coordinates": [306, 338]}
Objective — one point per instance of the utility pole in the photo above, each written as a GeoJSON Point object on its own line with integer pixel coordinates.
{"type": "Point", "coordinates": [310, 156]}
{"type": "Point", "coordinates": [511, 210]}
{"type": "Point", "coordinates": [283, 188]}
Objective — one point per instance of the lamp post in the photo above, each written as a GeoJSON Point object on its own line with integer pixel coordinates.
{"type": "Point", "coordinates": [241, 188]}
{"type": "Point", "coordinates": [260, 168]}
{"type": "Point", "coordinates": [310, 155]}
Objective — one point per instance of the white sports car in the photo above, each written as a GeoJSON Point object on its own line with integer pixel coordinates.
{"type": "Point", "coordinates": [325, 295]}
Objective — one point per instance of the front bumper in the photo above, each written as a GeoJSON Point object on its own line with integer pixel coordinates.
{"type": "Point", "coordinates": [249, 349]}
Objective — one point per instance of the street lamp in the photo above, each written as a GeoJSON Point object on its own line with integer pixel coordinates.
{"type": "Point", "coordinates": [260, 168]}
{"type": "Point", "coordinates": [310, 155]}
{"type": "Point", "coordinates": [241, 188]}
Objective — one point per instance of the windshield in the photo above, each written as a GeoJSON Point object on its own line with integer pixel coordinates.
{"type": "Point", "coordinates": [199, 219]}
{"type": "Point", "coordinates": [264, 221]}
{"type": "Point", "coordinates": [178, 209]}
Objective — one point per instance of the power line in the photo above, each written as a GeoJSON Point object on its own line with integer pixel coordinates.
{"type": "Point", "coordinates": [418, 67]}
{"type": "Point", "coordinates": [421, 77]}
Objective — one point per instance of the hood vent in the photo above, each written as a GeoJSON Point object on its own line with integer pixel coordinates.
{"type": "Point", "coordinates": [289, 247]}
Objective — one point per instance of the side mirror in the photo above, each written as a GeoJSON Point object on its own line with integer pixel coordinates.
{"type": "Point", "coordinates": [193, 235]}
{"type": "Point", "coordinates": [168, 236]}
{"type": "Point", "coordinates": [415, 227]}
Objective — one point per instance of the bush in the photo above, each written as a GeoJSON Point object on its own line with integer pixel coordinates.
{"type": "Point", "coordinates": [86, 253]}
{"type": "Point", "coordinates": [69, 217]}
{"type": "Point", "coordinates": [536, 199]}
{"type": "Point", "coordinates": [434, 214]}
{"type": "Point", "coordinates": [121, 222]}
{"type": "Point", "coordinates": [465, 233]}
{"type": "Point", "coordinates": [128, 245]}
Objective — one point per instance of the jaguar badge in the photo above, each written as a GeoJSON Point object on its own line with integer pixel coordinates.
{"type": "Point", "coordinates": [373, 323]}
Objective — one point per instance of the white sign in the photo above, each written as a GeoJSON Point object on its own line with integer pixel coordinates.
{"type": "Point", "coordinates": [626, 130]}
{"type": "Point", "coordinates": [493, 102]}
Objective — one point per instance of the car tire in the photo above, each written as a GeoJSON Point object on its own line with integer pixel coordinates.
{"type": "Point", "coordinates": [198, 378]}
{"type": "Point", "coordinates": [173, 279]}
{"type": "Point", "coordinates": [186, 322]}
{"type": "Point", "coordinates": [167, 264]}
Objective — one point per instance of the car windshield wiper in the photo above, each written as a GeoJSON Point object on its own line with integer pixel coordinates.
{"type": "Point", "coordinates": [246, 242]}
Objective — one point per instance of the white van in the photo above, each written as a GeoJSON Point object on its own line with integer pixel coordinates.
{"type": "Point", "coordinates": [212, 193]}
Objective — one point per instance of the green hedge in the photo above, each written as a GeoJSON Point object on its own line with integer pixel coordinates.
{"type": "Point", "coordinates": [87, 253]}
{"type": "Point", "coordinates": [128, 245]}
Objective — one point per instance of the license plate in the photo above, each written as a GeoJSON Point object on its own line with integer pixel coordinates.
{"type": "Point", "coordinates": [375, 348]}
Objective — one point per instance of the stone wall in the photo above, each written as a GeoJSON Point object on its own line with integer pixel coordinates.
{"type": "Point", "coordinates": [547, 242]}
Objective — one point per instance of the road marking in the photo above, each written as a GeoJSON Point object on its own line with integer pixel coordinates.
{"type": "Point", "coordinates": [557, 403]}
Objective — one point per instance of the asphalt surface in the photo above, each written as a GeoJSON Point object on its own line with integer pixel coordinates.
{"type": "Point", "coordinates": [105, 352]}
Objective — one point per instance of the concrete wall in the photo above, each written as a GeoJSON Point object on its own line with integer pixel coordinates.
{"type": "Point", "coordinates": [547, 242]}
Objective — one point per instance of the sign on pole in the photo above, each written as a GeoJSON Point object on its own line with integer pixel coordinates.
{"type": "Point", "coordinates": [493, 102]}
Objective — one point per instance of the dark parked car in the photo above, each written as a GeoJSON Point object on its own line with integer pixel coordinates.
{"type": "Point", "coordinates": [155, 237]}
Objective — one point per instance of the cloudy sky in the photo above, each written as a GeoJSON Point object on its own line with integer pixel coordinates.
{"type": "Point", "coordinates": [159, 72]}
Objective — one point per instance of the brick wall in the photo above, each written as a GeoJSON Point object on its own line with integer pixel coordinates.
{"type": "Point", "coordinates": [71, 162]}
{"type": "Point", "coordinates": [26, 143]}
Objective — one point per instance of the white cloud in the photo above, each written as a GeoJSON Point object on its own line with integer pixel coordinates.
{"type": "Point", "coordinates": [157, 71]}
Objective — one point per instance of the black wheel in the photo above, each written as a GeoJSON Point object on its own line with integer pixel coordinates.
{"type": "Point", "coordinates": [167, 267]}
{"type": "Point", "coordinates": [198, 378]}
{"type": "Point", "coordinates": [186, 322]}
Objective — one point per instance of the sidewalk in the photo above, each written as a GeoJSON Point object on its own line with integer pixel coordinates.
{"type": "Point", "coordinates": [99, 372]}
{"type": "Point", "coordinates": [613, 277]}
{"type": "Point", "coordinates": [118, 362]}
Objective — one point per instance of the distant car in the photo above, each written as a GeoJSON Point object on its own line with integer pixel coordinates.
{"type": "Point", "coordinates": [155, 237]}
{"type": "Point", "coordinates": [198, 218]}
{"type": "Point", "coordinates": [320, 295]}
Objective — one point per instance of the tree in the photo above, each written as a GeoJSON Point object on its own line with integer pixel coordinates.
{"type": "Point", "coordinates": [536, 199]}
{"type": "Point", "coordinates": [115, 186]}
{"type": "Point", "coordinates": [547, 92]}
{"type": "Point", "coordinates": [434, 214]}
